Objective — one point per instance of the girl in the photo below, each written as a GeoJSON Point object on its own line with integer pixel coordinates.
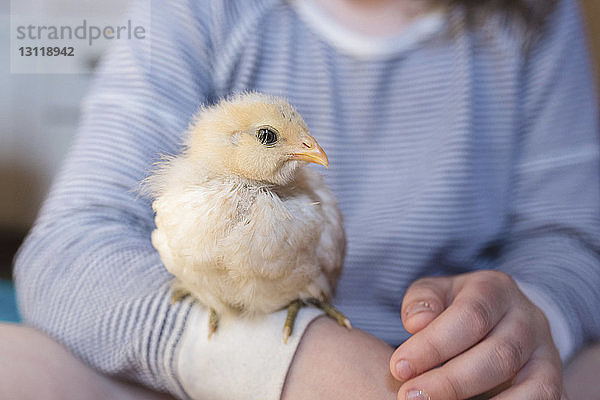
{"type": "Point", "coordinates": [464, 142]}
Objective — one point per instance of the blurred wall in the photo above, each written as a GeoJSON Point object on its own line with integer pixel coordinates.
{"type": "Point", "coordinates": [39, 113]}
{"type": "Point", "coordinates": [591, 10]}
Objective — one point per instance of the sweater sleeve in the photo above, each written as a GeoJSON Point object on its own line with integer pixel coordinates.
{"type": "Point", "coordinates": [554, 226]}
{"type": "Point", "coordinates": [87, 274]}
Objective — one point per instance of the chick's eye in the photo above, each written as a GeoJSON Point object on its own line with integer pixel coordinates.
{"type": "Point", "coordinates": [267, 136]}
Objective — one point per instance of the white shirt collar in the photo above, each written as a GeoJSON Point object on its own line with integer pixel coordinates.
{"type": "Point", "coordinates": [364, 46]}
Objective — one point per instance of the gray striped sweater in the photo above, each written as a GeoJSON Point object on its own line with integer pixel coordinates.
{"type": "Point", "coordinates": [452, 150]}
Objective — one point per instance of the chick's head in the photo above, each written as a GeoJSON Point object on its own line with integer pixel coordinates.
{"type": "Point", "coordinates": [253, 136]}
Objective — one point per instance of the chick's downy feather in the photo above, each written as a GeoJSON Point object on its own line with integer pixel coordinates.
{"type": "Point", "coordinates": [240, 222]}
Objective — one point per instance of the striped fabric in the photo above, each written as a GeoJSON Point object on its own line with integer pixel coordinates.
{"type": "Point", "coordinates": [455, 152]}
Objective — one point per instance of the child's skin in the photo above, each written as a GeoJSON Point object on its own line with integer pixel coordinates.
{"type": "Point", "coordinates": [375, 17]}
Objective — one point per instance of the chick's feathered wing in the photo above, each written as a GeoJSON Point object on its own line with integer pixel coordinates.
{"type": "Point", "coordinates": [239, 247]}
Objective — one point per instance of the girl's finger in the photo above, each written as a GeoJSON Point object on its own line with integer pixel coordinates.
{"type": "Point", "coordinates": [476, 310]}
{"type": "Point", "coordinates": [487, 365]}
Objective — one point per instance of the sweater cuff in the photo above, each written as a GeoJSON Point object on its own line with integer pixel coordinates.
{"type": "Point", "coordinates": [245, 359]}
{"type": "Point", "coordinates": [564, 339]}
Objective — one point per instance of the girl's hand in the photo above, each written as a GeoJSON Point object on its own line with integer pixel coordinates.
{"type": "Point", "coordinates": [484, 331]}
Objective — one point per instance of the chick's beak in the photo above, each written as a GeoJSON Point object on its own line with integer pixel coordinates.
{"type": "Point", "coordinates": [310, 151]}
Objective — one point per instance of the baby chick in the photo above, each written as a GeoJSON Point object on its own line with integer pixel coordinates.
{"type": "Point", "coordinates": [240, 223]}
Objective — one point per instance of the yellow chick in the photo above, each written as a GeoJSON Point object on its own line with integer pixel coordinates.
{"type": "Point", "coordinates": [240, 223]}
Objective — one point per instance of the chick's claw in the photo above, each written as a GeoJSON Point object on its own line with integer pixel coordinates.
{"type": "Point", "coordinates": [294, 307]}
{"type": "Point", "coordinates": [290, 319]}
{"type": "Point", "coordinates": [179, 293]}
{"type": "Point", "coordinates": [332, 312]}
{"type": "Point", "coordinates": [213, 322]}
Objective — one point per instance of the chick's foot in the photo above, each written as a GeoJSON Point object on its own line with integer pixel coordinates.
{"type": "Point", "coordinates": [294, 307]}
{"type": "Point", "coordinates": [179, 293]}
{"type": "Point", "coordinates": [332, 312]}
{"type": "Point", "coordinates": [290, 319]}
